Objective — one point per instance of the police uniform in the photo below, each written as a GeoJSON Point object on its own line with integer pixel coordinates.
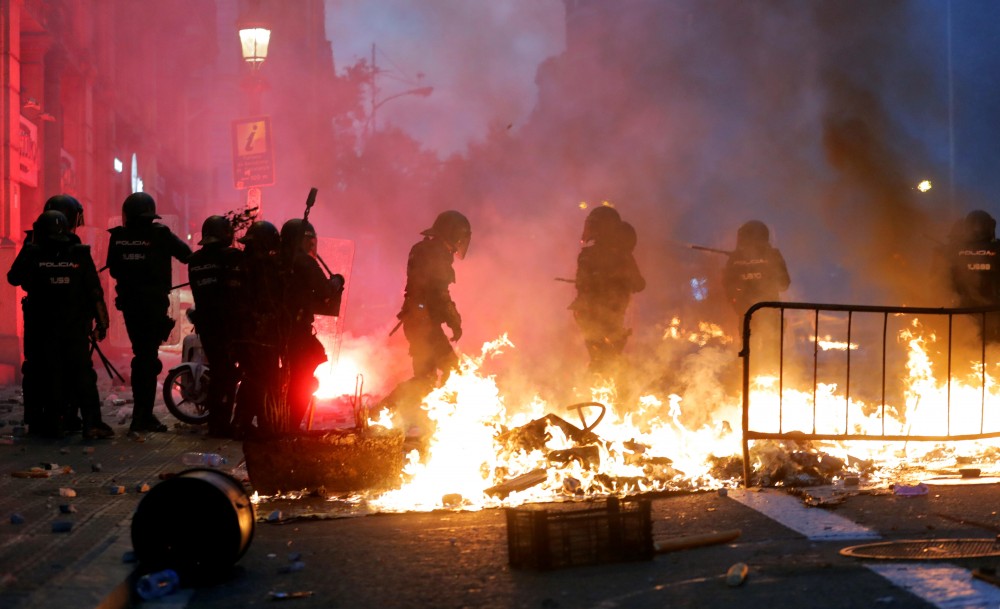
{"type": "Point", "coordinates": [139, 259]}
{"type": "Point", "coordinates": [427, 304]}
{"type": "Point", "coordinates": [975, 270]}
{"type": "Point", "coordinates": [606, 277]}
{"type": "Point", "coordinates": [215, 273]}
{"type": "Point", "coordinates": [64, 298]}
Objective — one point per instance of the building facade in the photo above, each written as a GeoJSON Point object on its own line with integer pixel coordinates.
{"type": "Point", "coordinates": [102, 98]}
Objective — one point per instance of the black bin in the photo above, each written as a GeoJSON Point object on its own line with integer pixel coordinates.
{"type": "Point", "coordinates": [198, 523]}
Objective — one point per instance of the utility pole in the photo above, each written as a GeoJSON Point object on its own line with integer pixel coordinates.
{"type": "Point", "coordinates": [371, 123]}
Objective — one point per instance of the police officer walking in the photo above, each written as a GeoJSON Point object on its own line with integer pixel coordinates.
{"type": "Point", "coordinates": [65, 298]}
{"type": "Point", "coordinates": [606, 277]}
{"type": "Point", "coordinates": [427, 304]}
{"type": "Point", "coordinates": [139, 259]}
{"type": "Point", "coordinates": [215, 273]}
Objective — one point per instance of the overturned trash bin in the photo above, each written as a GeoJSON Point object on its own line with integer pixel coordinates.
{"type": "Point", "coordinates": [198, 523]}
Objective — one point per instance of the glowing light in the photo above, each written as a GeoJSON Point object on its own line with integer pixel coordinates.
{"type": "Point", "coordinates": [826, 343]}
{"type": "Point", "coordinates": [254, 42]}
{"type": "Point", "coordinates": [924, 186]}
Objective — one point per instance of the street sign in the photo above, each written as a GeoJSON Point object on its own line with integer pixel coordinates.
{"type": "Point", "coordinates": [253, 156]}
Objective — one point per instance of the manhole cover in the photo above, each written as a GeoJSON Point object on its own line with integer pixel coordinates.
{"type": "Point", "coordinates": [926, 549]}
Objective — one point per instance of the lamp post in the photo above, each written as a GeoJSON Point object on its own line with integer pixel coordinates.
{"type": "Point", "coordinates": [421, 91]}
{"type": "Point", "coordinates": [253, 163]}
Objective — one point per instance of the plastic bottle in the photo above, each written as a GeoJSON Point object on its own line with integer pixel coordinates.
{"type": "Point", "coordinates": [155, 585]}
{"type": "Point", "coordinates": [203, 459]}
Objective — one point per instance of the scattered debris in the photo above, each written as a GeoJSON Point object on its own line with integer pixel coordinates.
{"type": "Point", "coordinates": [67, 508]}
{"type": "Point", "coordinates": [519, 483]}
{"type": "Point", "coordinates": [737, 574]}
{"type": "Point", "coordinates": [284, 596]}
{"type": "Point", "coordinates": [116, 490]}
{"type": "Point", "coordinates": [907, 490]}
{"type": "Point", "coordinates": [67, 492]}
{"type": "Point", "coordinates": [686, 542]}
{"type": "Point", "coordinates": [297, 565]}
{"type": "Point", "coordinates": [452, 500]}
{"type": "Point", "coordinates": [32, 473]}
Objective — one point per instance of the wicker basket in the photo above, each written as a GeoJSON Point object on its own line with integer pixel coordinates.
{"type": "Point", "coordinates": [558, 536]}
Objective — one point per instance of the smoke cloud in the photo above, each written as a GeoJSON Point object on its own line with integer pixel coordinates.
{"type": "Point", "coordinates": [689, 116]}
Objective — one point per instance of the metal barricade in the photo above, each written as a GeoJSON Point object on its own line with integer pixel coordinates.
{"type": "Point", "coordinates": [886, 370]}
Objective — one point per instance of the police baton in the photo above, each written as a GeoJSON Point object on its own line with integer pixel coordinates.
{"type": "Point", "coordinates": [396, 327]}
{"type": "Point", "coordinates": [310, 201]}
{"type": "Point", "coordinates": [112, 373]}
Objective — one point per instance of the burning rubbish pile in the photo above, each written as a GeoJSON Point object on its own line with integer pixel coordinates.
{"type": "Point", "coordinates": [582, 458]}
{"type": "Point", "coordinates": [483, 450]}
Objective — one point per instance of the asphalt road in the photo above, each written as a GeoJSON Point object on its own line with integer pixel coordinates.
{"type": "Point", "coordinates": [460, 559]}
{"type": "Point", "coordinates": [329, 557]}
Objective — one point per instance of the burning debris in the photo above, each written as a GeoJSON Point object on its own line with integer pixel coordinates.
{"type": "Point", "coordinates": [582, 458]}
{"type": "Point", "coordinates": [483, 448]}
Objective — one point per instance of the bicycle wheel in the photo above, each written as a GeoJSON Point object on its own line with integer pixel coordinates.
{"type": "Point", "coordinates": [182, 400]}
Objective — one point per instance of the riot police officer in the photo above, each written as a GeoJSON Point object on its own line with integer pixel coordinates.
{"type": "Point", "coordinates": [139, 258]}
{"type": "Point", "coordinates": [427, 304]}
{"type": "Point", "coordinates": [975, 270]}
{"type": "Point", "coordinates": [606, 278]}
{"type": "Point", "coordinates": [309, 291]}
{"type": "Point", "coordinates": [260, 315]}
{"type": "Point", "coordinates": [65, 298]}
{"type": "Point", "coordinates": [755, 271]}
{"type": "Point", "coordinates": [73, 210]}
{"type": "Point", "coordinates": [215, 273]}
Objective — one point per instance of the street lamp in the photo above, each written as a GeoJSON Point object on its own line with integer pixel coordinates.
{"type": "Point", "coordinates": [420, 91]}
{"type": "Point", "coordinates": [254, 39]}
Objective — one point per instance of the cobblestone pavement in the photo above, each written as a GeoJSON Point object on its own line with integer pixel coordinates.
{"type": "Point", "coordinates": [66, 505]}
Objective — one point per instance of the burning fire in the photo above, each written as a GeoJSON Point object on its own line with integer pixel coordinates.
{"type": "Point", "coordinates": [485, 451]}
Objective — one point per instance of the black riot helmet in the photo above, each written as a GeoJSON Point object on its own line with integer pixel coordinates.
{"type": "Point", "coordinates": [602, 223]}
{"type": "Point", "coordinates": [69, 206]}
{"type": "Point", "coordinates": [753, 234]}
{"type": "Point", "coordinates": [216, 229]}
{"type": "Point", "coordinates": [980, 226]}
{"type": "Point", "coordinates": [50, 226]}
{"type": "Point", "coordinates": [454, 229]}
{"type": "Point", "coordinates": [297, 235]}
{"type": "Point", "coordinates": [139, 207]}
{"type": "Point", "coordinates": [262, 238]}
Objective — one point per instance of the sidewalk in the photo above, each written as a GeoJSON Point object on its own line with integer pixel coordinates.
{"type": "Point", "coordinates": [65, 535]}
